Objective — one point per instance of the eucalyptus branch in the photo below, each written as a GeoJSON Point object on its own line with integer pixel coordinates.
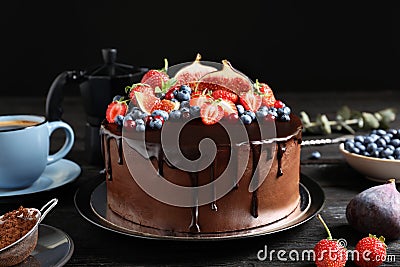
{"type": "Point", "coordinates": [348, 120]}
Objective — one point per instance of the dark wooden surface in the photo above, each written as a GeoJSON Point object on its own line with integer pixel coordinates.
{"type": "Point", "coordinates": [95, 246]}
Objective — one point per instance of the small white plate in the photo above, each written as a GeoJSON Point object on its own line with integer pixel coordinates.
{"type": "Point", "coordinates": [55, 175]}
{"type": "Point", "coordinates": [374, 169]}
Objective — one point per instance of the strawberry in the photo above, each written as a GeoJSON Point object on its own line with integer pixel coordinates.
{"type": "Point", "coordinates": [199, 99]}
{"type": "Point", "coordinates": [115, 108]}
{"type": "Point", "coordinates": [226, 95]}
{"type": "Point", "coordinates": [211, 112]}
{"type": "Point", "coordinates": [371, 251]}
{"type": "Point", "coordinates": [156, 78]}
{"type": "Point", "coordinates": [228, 106]}
{"type": "Point", "coordinates": [138, 87]}
{"type": "Point", "coordinates": [250, 100]}
{"type": "Point", "coordinates": [170, 93]}
{"type": "Point", "coordinates": [329, 252]}
{"type": "Point", "coordinates": [267, 95]}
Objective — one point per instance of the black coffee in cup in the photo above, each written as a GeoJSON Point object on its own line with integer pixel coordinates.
{"type": "Point", "coordinates": [16, 124]}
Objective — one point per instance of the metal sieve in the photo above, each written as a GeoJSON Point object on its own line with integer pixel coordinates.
{"type": "Point", "coordinates": [23, 247]}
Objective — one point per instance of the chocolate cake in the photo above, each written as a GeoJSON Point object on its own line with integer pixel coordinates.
{"type": "Point", "coordinates": [242, 167]}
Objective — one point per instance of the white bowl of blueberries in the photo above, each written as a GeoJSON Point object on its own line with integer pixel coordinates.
{"type": "Point", "coordinates": [375, 154]}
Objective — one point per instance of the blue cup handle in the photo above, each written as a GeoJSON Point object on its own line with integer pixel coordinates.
{"type": "Point", "coordinates": [69, 140]}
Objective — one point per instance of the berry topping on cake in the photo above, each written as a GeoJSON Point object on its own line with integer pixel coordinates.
{"type": "Point", "coordinates": [117, 107]}
{"type": "Point", "coordinates": [211, 112]}
{"type": "Point", "coordinates": [156, 78]}
{"type": "Point", "coordinates": [250, 101]}
{"type": "Point", "coordinates": [146, 102]}
{"type": "Point", "coordinates": [193, 72]}
{"type": "Point", "coordinates": [225, 95]}
{"type": "Point", "coordinates": [196, 91]}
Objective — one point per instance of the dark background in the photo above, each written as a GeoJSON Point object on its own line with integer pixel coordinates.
{"type": "Point", "coordinates": [292, 45]}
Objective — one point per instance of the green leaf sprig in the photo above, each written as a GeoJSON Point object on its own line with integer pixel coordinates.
{"type": "Point", "coordinates": [348, 120]}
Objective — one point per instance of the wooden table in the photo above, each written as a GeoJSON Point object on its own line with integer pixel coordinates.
{"type": "Point", "coordinates": [95, 246]}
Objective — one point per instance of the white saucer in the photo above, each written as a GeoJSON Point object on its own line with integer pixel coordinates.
{"type": "Point", "coordinates": [55, 175]}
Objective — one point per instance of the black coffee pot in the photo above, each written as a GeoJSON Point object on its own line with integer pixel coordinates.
{"type": "Point", "coordinates": [97, 86]}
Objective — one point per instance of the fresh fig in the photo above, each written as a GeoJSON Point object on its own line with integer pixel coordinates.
{"type": "Point", "coordinates": [376, 210]}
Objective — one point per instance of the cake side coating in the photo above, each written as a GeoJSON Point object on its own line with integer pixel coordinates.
{"type": "Point", "coordinates": [275, 199]}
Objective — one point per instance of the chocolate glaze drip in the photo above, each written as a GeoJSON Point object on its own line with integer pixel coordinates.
{"type": "Point", "coordinates": [281, 150]}
{"type": "Point", "coordinates": [256, 152]}
{"type": "Point", "coordinates": [194, 225]}
{"type": "Point", "coordinates": [119, 145]}
{"type": "Point", "coordinates": [212, 176]}
{"type": "Point", "coordinates": [108, 161]}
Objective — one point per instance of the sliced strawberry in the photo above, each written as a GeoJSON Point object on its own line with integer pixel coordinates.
{"type": "Point", "coordinates": [226, 95]}
{"type": "Point", "coordinates": [146, 102]}
{"type": "Point", "coordinates": [211, 113]}
{"type": "Point", "coordinates": [250, 101]}
{"type": "Point", "coordinates": [228, 106]}
{"type": "Point", "coordinates": [267, 95]}
{"type": "Point", "coordinates": [114, 109]}
{"type": "Point", "coordinates": [199, 99]}
{"type": "Point", "coordinates": [156, 78]}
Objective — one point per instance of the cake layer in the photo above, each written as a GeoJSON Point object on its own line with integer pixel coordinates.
{"type": "Point", "coordinates": [269, 158]}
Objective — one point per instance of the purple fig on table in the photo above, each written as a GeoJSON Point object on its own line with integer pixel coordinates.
{"type": "Point", "coordinates": [376, 210]}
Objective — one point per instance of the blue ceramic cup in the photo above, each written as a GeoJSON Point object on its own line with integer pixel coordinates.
{"type": "Point", "coordinates": [24, 148]}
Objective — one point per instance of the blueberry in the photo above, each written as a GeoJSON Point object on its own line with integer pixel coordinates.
{"type": "Point", "coordinates": [360, 146]}
{"type": "Point", "coordinates": [374, 154]}
{"type": "Point", "coordinates": [380, 132]}
{"type": "Point", "coordinates": [261, 113]}
{"type": "Point", "coordinates": [240, 109]}
{"type": "Point", "coordinates": [395, 142]}
{"type": "Point", "coordinates": [183, 95]}
{"type": "Point", "coordinates": [371, 147]}
{"type": "Point", "coordinates": [280, 112]}
{"type": "Point", "coordinates": [349, 145]}
{"type": "Point", "coordinates": [396, 153]}
{"type": "Point", "coordinates": [359, 138]}
{"type": "Point", "coordinates": [315, 155]}
{"type": "Point", "coordinates": [284, 117]}
{"type": "Point", "coordinates": [194, 111]}
{"type": "Point", "coordinates": [246, 119]}
{"type": "Point", "coordinates": [273, 112]}
{"type": "Point", "coordinates": [251, 114]}
{"type": "Point", "coordinates": [175, 115]}
{"type": "Point", "coordinates": [155, 123]}
{"type": "Point", "coordinates": [140, 127]}
{"type": "Point", "coordinates": [185, 87]}
{"type": "Point", "coordinates": [286, 110]}
{"type": "Point", "coordinates": [139, 122]}
{"type": "Point", "coordinates": [117, 97]}
{"type": "Point", "coordinates": [386, 153]}
{"type": "Point", "coordinates": [162, 113]}
{"type": "Point", "coordinates": [387, 138]}
{"type": "Point", "coordinates": [119, 119]}
{"type": "Point", "coordinates": [381, 142]}
{"type": "Point", "coordinates": [368, 140]}
{"type": "Point", "coordinates": [184, 104]}
{"type": "Point", "coordinates": [355, 150]}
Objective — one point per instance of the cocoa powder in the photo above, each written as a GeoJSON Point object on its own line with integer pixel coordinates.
{"type": "Point", "coordinates": [15, 224]}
